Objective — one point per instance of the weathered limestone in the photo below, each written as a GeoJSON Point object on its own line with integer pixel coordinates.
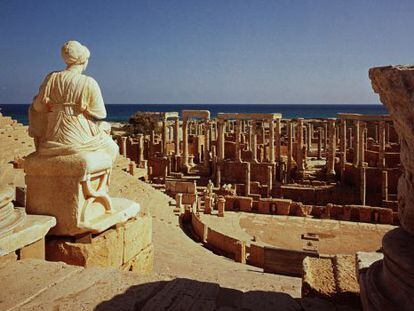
{"type": "Point", "coordinates": [388, 284]}
{"type": "Point", "coordinates": [128, 246]}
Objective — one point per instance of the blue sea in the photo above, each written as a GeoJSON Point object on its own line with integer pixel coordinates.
{"type": "Point", "coordinates": [122, 112]}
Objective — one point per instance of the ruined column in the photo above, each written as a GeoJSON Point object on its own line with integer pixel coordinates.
{"type": "Point", "coordinates": [140, 149]}
{"type": "Point", "coordinates": [325, 138]}
{"type": "Point", "coordinates": [343, 149]}
{"type": "Point", "coordinates": [349, 136]}
{"type": "Point", "coordinates": [272, 142]}
{"type": "Point", "coordinates": [123, 146]}
{"type": "Point", "coordinates": [277, 140]}
{"type": "Point", "coordinates": [207, 145]}
{"type": "Point", "coordinates": [362, 184]}
{"type": "Point", "coordinates": [177, 136]}
{"type": "Point", "coordinates": [388, 284]}
{"type": "Point", "coordinates": [247, 180]}
{"type": "Point", "coordinates": [131, 168]}
{"type": "Point", "coordinates": [207, 204]}
{"type": "Point", "coordinates": [186, 165]}
{"type": "Point", "coordinates": [384, 185]}
{"type": "Point", "coordinates": [164, 138]}
{"type": "Point", "coordinates": [381, 138]}
{"type": "Point", "coordinates": [220, 140]}
{"type": "Point", "coordinates": [238, 149]}
{"type": "Point", "coordinates": [299, 146]}
{"type": "Point", "coordinates": [290, 149]}
{"type": "Point", "coordinates": [254, 144]}
{"type": "Point", "coordinates": [263, 130]}
{"type": "Point", "coordinates": [221, 204]}
{"type": "Point", "coordinates": [269, 180]}
{"type": "Point", "coordinates": [330, 161]}
{"type": "Point", "coordinates": [356, 139]}
{"type": "Point", "coordinates": [152, 144]}
{"type": "Point", "coordinates": [320, 137]}
{"type": "Point", "coordinates": [361, 152]}
{"type": "Point", "coordinates": [310, 135]}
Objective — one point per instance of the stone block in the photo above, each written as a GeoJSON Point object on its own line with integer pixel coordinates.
{"type": "Point", "coordinates": [6, 259]}
{"type": "Point", "coordinates": [364, 214]}
{"type": "Point", "coordinates": [35, 250]}
{"type": "Point", "coordinates": [283, 206]}
{"type": "Point", "coordinates": [318, 278]}
{"type": "Point", "coordinates": [34, 228]}
{"type": "Point", "coordinates": [122, 246]}
{"type": "Point", "coordinates": [142, 263]}
{"type": "Point", "coordinates": [386, 216]}
{"type": "Point", "coordinates": [104, 249]}
{"type": "Point", "coordinates": [137, 236]}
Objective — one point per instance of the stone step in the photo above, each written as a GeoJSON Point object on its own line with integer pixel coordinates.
{"type": "Point", "coordinates": [333, 279]}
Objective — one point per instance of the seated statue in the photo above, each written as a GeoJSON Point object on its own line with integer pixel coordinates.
{"type": "Point", "coordinates": [68, 175]}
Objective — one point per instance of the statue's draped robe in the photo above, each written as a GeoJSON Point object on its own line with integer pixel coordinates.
{"type": "Point", "coordinates": [62, 116]}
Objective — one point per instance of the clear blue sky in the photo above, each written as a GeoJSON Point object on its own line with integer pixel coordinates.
{"type": "Point", "coordinates": [199, 51]}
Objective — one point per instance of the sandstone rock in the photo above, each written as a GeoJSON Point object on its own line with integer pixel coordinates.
{"type": "Point", "coordinates": [121, 247]}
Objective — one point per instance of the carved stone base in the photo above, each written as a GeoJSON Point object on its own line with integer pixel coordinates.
{"type": "Point", "coordinates": [127, 246]}
{"type": "Point", "coordinates": [389, 284]}
{"type": "Point", "coordinates": [74, 189]}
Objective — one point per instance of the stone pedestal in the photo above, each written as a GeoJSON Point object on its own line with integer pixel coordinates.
{"type": "Point", "coordinates": [74, 189]}
{"type": "Point", "coordinates": [21, 232]}
{"type": "Point", "coordinates": [388, 284]}
{"type": "Point", "coordinates": [126, 246]}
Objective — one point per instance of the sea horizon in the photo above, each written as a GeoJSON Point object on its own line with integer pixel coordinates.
{"type": "Point", "coordinates": [122, 112]}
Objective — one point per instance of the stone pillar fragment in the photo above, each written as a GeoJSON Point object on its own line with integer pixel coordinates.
{"type": "Point", "coordinates": [384, 185]}
{"type": "Point", "coordinates": [289, 150]}
{"type": "Point", "coordinates": [220, 140]}
{"type": "Point", "coordinates": [186, 165]}
{"type": "Point", "coordinates": [299, 146]}
{"type": "Point", "coordinates": [330, 162]}
{"type": "Point", "coordinates": [277, 140]}
{"type": "Point", "coordinates": [388, 284]}
{"type": "Point", "coordinates": [356, 139]}
{"type": "Point", "coordinates": [177, 136]}
{"type": "Point", "coordinates": [343, 149]}
{"type": "Point", "coordinates": [320, 138]}
{"type": "Point", "coordinates": [221, 203]}
{"type": "Point", "coordinates": [271, 142]}
{"type": "Point", "coordinates": [381, 150]}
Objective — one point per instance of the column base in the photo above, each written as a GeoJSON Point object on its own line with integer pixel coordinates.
{"type": "Point", "coordinates": [388, 284]}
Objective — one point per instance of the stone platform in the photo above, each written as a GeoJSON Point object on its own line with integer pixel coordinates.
{"type": "Point", "coordinates": [127, 246]}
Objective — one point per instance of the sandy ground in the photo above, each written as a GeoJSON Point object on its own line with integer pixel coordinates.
{"type": "Point", "coordinates": [336, 237]}
{"type": "Point", "coordinates": [176, 255]}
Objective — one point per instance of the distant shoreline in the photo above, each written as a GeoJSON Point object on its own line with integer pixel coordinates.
{"type": "Point", "coordinates": [122, 112]}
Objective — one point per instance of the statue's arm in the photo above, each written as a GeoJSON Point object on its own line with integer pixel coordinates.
{"type": "Point", "coordinates": [38, 103]}
{"type": "Point", "coordinates": [95, 106]}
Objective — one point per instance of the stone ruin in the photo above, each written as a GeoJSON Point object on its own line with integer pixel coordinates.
{"type": "Point", "coordinates": [345, 168]}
